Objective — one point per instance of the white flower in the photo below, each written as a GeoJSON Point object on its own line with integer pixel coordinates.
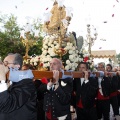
{"type": "Point", "coordinates": [73, 68]}
{"type": "Point", "coordinates": [63, 84]}
{"type": "Point", "coordinates": [45, 65]}
{"type": "Point", "coordinates": [46, 42]}
{"type": "Point", "coordinates": [67, 67]}
{"type": "Point", "coordinates": [91, 66]}
{"type": "Point", "coordinates": [52, 54]}
{"type": "Point", "coordinates": [80, 59]}
{"type": "Point", "coordinates": [77, 51]}
{"type": "Point", "coordinates": [44, 52]}
{"type": "Point", "coordinates": [45, 47]}
{"type": "Point", "coordinates": [55, 42]}
{"type": "Point", "coordinates": [73, 48]}
{"type": "Point", "coordinates": [57, 46]}
{"type": "Point", "coordinates": [89, 61]}
{"type": "Point", "coordinates": [35, 63]}
{"type": "Point", "coordinates": [67, 62]}
{"type": "Point", "coordinates": [73, 59]}
{"type": "Point", "coordinates": [76, 64]}
{"type": "Point", "coordinates": [52, 45]}
{"type": "Point", "coordinates": [70, 57]}
{"type": "Point", "coordinates": [31, 60]}
{"type": "Point", "coordinates": [73, 65]}
{"type": "Point", "coordinates": [91, 58]}
{"type": "Point", "coordinates": [70, 51]}
{"type": "Point", "coordinates": [68, 44]}
{"type": "Point", "coordinates": [49, 44]}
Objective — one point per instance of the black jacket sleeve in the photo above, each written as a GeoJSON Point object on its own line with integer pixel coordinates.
{"type": "Point", "coordinates": [10, 101]}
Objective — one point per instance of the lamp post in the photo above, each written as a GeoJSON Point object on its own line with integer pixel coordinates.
{"type": "Point", "coordinates": [28, 39]}
{"type": "Point", "coordinates": [90, 39]}
{"type": "Point", "coordinates": [119, 63]}
{"type": "Point", "coordinates": [118, 59]}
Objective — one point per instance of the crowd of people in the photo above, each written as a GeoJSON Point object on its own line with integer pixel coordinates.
{"type": "Point", "coordinates": [51, 99]}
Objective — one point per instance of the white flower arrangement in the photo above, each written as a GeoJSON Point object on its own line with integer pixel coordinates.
{"type": "Point", "coordinates": [70, 60]}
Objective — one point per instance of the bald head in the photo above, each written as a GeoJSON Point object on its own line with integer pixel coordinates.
{"type": "Point", "coordinates": [55, 64]}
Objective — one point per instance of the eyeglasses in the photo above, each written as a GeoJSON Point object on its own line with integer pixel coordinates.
{"type": "Point", "coordinates": [7, 63]}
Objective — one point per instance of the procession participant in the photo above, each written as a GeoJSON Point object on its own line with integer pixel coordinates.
{"type": "Point", "coordinates": [40, 100]}
{"type": "Point", "coordinates": [109, 68]}
{"type": "Point", "coordinates": [113, 91]}
{"type": "Point", "coordinates": [18, 102]}
{"type": "Point", "coordinates": [115, 69]}
{"type": "Point", "coordinates": [3, 72]}
{"type": "Point", "coordinates": [118, 92]}
{"type": "Point", "coordinates": [57, 93]}
{"type": "Point", "coordinates": [86, 91]}
{"type": "Point", "coordinates": [103, 101]}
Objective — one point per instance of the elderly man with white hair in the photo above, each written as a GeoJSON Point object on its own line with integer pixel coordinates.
{"type": "Point", "coordinates": [57, 93]}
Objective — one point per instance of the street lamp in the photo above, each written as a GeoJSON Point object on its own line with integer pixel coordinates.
{"type": "Point", "coordinates": [91, 37]}
{"type": "Point", "coordinates": [118, 59]}
{"type": "Point", "coordinates": [28, 39]}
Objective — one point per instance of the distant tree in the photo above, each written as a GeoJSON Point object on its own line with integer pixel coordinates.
{"type": "Point", "coordinates": [37, 48]}
{"type": "Point", "coordinates": [118, 56]}
{"type": "Point", "coordinates": [10, 37]}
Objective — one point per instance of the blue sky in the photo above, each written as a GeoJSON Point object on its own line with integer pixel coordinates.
{"type": "Point", "coordinates": [84, 11]}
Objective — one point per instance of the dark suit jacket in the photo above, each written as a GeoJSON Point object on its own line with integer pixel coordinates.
{"type": "Point", "coordinates": [114, 83]}
{"type": "Point", "coordinates": [105, 84]}
{"type": "Point", "coordinates": [58, 100]}
{"type": "Point", "coordinates": [118, 87]}
{"type": "Point", "coordinates": [19, 101]}
{"type": "Point", "coordinates": [86, 93]}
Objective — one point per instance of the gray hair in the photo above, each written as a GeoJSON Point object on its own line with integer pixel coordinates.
{"type": "Point", "coordinates": [59, 61]}
{"type": "Point", "coordinates": [18, 59]}
{"type": "Point", "coordinates": [101, 63]}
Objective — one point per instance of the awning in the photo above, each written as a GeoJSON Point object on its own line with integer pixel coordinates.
{"type": "Point", "coordinates": [104, 54]}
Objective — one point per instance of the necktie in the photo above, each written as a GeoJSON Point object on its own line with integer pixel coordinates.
{"type": "Point", "coordinates": [83, 83]}
{"type": "Point", "coordinates": [52, 88]}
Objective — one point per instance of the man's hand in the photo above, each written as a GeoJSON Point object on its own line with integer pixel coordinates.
{"type": "Point", "coordinates": [54, 81]}
{"type": "Point", "coordinates": [3, 72]}
{"type": "Point", "coordinates": [86, 75]}
{"type": "Point", "coordinates": [55, 76]}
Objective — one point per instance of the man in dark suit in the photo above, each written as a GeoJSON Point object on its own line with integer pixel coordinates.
{"type": "Point", "coordinates": [86, 90]}
{"type": "Point", "coordinates": [103, 95]}
{"type": "Point", "coordinates": [114, 81]}
{"type": "Point", "coordinates": [57, 93]}
{"type": "Point", "coordinates": [18, 102]}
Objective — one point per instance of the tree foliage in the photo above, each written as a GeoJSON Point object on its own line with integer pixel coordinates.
{"type": "Point", "coordinates": [10, 37]}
